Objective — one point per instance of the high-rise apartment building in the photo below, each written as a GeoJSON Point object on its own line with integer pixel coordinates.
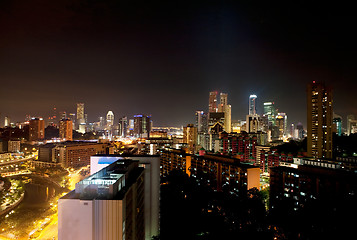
{"type": "Point", "coordinates": [190, 137]}
{"type": "Point", "coordinates": [223, 101]}
{"type": "Point", "coordinates": [319, 120]}
{"type": "Point", "coordinates": [252, 104]}
{"type": "Point", "coordinates": [66, 129]}
{"type": "Point", "coordinates": [107, 205]}
{"type": "Point", "coordinates": [212, 103]}
{"type": "Point", "coordinates": [151, 164]}
{"type": "Point", "coordinates": [36, 129]}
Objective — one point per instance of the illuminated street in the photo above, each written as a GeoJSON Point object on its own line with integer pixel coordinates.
{"type": "Point", "coordinates": [36, 216]}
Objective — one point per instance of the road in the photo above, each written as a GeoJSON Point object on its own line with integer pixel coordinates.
{"type": "Point", "coordinates": [16, 161]}
{"type": "Point", "coordinates": [50, 231]}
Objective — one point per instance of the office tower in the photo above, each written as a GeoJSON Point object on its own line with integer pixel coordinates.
{"type": "Point", "coordinates": [227, 110]}
{"type": "Point", "coordinates": [110, 204]}
{"type": "Point", "coordinates": [270, 112]}
{"type": "Point", "coordinates": [52, 119]}
{"type": "Point", "coordinates": [110, 120]}
{"type": "Point", "coordinates": [281, 123]}
{"type": "Point", "coordinates": [319, 120]}
{"type": "Point", "coordinates": [80, 114]}
{"type": "Point", "coordinates": [253, 123]}
{"type": "Point", "coordinates": [7, 122]}
{"type": "Point", "coordinates": [72, 117]}
{"type": "Point", "coordinates": [66, 129]}
{"type": "Point", "coordinates": [223, 102]}
{"type": "Point", "coordinates": [228, 118]}
{"type": "Point", "coordinates": [337, 124]}
{"type": "Point", "coordinates": [190, 137]}
{"type": "Point", "coordinates": [36, 129]}
{"type": "Point", "coordinates": [212, 103]}
{"type": "Point", "coordinates": [201, 122]}
{"type": "Point", "coordinates": [123, 126]}
{"type": "Point", "coordinates": [252, 105]}
{"type": "Point", "coordinates": [351, 124]}
{"type": "Point", "coordinates": [215, 117]}
{"type": "Point", "coordinates": [142, 126]}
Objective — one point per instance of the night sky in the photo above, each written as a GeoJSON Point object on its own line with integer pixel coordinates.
{"type": "Point", "coordinates": [163, 57]}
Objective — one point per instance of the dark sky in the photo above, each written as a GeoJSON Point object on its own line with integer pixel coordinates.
{"type": "Point", "coordinates": [163, 57]}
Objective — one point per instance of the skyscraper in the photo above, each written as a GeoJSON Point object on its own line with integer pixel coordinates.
{"type": "Point", "coordinates": [319, 120]}
{"type": "Point", "coordinates": [110, 120]}
{"type": "Point", "coordinates": [270, 112]}
{"type": "Point", "coordinates": [7, 122]}
{"type": "Point", "coordinates": [123, 126]}
{"type": "Point", "coordinates": [212, 103]}
{"type": "Point", "coordinates": [80, 114]}
{"type": "Point", "coordinates": [190, 137]}
{"type": "Point", "coordinates": [223, 101]}
{"type": "Point", "coordinates": [252, 105]}
{"type": "Point", "coordinates": [281, 123]}
{"type": "Point", "coordinates": [36, 129]}
{"type": "Point", "coordinates": [66, 129]}
{"type": "Point", "coordinates": [199, 120]}
{"type": "Point", "coordinates": [142, 126]}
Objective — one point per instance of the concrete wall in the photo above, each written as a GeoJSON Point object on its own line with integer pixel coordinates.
{"type": "Point", "coordinates": [75, 219]}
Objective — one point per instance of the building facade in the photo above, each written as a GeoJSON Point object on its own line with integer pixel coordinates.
{"type": "Point", "coordinates": [151, 164]}
{"type": "Point", "coordinates": [107, 205]}
{"type": "Point", "coordinates": [221, 173]}
{"type": "Point", "coordinates": [66, 130]}
{"type": "Point", "coordinates": [36, 129]}
{"type": "Point", "coordinates": [252, 105]}
{"type": "Point", "coordinates": [319, 120]}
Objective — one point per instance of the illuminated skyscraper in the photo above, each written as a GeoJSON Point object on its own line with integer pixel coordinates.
{"type": "Point", "coordinates": [36, 129]}
{"type": "Point", "coordinates": [212, 103]}
{"type": "Point", "coordinates": [281, 123]}
{"type": "Point", "coordinates": [200, 120]}
{"type": "Point", "coordinates": [223, 101]}
{"type": "Point", "coordinates": [80, 114]}
{"type": "Point", "coordinates": [123, 126]}
{"type": "Point", "coordinates": [319, 120]}
{"type": "Point", "coordinates": [270, 112]}
{"type": "Point", "coordinates": [65, 129]}
{"type": "Point", "coordinates": [110, 119]}
{"type": "Point", "coordinates": [252, 106]}
{"type": "Point", "coordinates": [7, 122]}
{"type": "Point", "coordinates": [142, 126]}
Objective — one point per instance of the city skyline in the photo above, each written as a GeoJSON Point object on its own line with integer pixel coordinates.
{"type": "Point", "coordinates": [141, 59]}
